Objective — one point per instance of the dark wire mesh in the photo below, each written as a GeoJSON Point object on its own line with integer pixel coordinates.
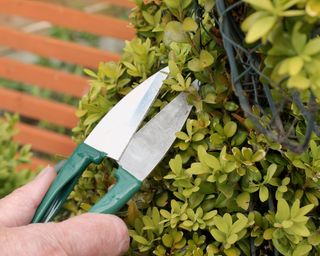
{"type": "Point", "coordinates": [272, 102]}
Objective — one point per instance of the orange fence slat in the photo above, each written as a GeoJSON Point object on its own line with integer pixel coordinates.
{"type": "Point", "coordinates": [49, 47]}
{"type": "Point", "coordinates": [66, 17]}
{"type": "Point", "coordinates": [121, 3]}
{"type": "Point", "coordinates": [36, 108]}
{"type": "Point", "coordinates": [44, 141]}
{"type": "Point", "coordinates": [57, 81]}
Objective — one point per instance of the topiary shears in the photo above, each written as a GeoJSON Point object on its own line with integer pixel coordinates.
{"type": "Point", "coordinates": [115, 136]}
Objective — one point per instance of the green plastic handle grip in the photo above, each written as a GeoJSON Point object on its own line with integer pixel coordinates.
{"type": "Point", "coordinates": [126, 186]}
{"type": "Point", "coordinates": [67, 177]}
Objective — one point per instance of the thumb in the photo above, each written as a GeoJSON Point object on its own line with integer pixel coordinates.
{"type": "Point", "coordinates": [85, 235]}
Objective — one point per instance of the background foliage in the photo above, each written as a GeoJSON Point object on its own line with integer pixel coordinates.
{"type": "Point", "coordinates": [11, 156]}
{"type": "Point", "coordinates": [223, 188]}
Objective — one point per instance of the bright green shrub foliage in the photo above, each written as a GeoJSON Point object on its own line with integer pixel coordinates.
{"type": "Point", "coordinates": [12, 155]}
{"type": "Point", "coordinates": [222, 189]}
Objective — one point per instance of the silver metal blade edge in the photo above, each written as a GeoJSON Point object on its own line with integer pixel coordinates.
{"type": "Point", "coordinates": [149, 145]}
{"type": "Point", "coordinates": [112, 134]}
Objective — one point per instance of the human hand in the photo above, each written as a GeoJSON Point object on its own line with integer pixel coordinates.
{"type": "Point", "coordinates": [88, 235]}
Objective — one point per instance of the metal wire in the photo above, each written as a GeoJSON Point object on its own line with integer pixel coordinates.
{"type": "Point", "coordinates": [273, 118]}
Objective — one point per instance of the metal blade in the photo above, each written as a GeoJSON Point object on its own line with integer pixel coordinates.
{"type": "Point", "coordinates": [114, 131]}
{"type": "Point", "coordinates": [148, 146]}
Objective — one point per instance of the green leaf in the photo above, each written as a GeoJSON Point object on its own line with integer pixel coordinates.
{"type": "Point", "coordinates": [176, 164]}
{"type": "Point", "coordinates": [312, 47]}
{"type": "Point", "coordinates": [140, 239]}
{"type": "Point", "coordinates": [260, 28]}
{"type": "Point", "coordinates": [210, 215]}
{"type": "Point", "coordinates": [195, 65]}
{"type": "Point", "coordinates": [295, 208]}
{"type": "Point", "coordinates": [230, 129]}
{"type": "Point", "coordinates": [232, 251]}
{"type": "Point", "coordinates": [231, 106]}
{"type": "Point", "coordinates": [314, 239]}
{"type": "Point", "coordinates": [221, 224]}
{"type": "Point", "coordinates": [232, 238]}
{"type": "Point", "coordinates": [313, 8]}
{"type": "Point", "coordinates": [174, 70]}
{"type": "Point", "coordinates": [299, 229]}
{"type": "Point", "coordinates": [298, 39]}
{"type": "Point", "coordinates": [239, 225]}
{"type": "Point", "coordinates": [148, 17]}
{"type": "Point", "coordinates": [267, 234]}
{"type": "Point", "coordinates": [212, 162]}
{"type": "Point", "coordinates": [295, 65]}
{"type": "Point", "coordinates": [305, 209]}
{"type": "Point", "coordinates": [287, 224]}
{"type": "Point", "coordinates": [217, 235]}
{"type": "Point", "coordinates": [246, 153]}
{"type": "Point", "coordinates": [283, 211]}
{"type": "Point", "coordinates": [173, 32]}
{"type": "Point", "coordinates": [261, 4]}
{"type": "Point", "coordinates": [182, 136]}
{"type": "Point", "coordinates": [174, 4]}
{"type": "Point", "coordinates": [243, 200]}
{"type": "Point", "coordinates": [263, 193]}
{"type": "Point", "coordinates": [90, 73]}
{"type": "Point", "coordinates": [250, 20]}
{"type": "Point", "coordinates": [189, 24]}
{"type": "Point", "coordinates": [299, 82]}
{"type": "Point", "coordinates": [258, 155]}
{"type": "Point", "coordinates": [198, 169]}
{"type": "Point", "coordinates": [206, 58]}
{"type": "Point", "coordinates": [302, 250]}
{"type": "Point", "coordinates": [270, 172]}
{"type": "Point", "coordinates": [228, 220]}
{"type": "Point", "coordinates": [167, 240]}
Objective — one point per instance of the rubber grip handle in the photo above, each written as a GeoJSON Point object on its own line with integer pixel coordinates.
{"type": "Point", "coordinates": [125, 187]}
{"type": "Point", "coordinates": [81, 157]}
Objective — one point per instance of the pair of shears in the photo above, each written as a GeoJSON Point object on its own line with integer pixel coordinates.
{"type": "Point", "coordinates": [116, 136]}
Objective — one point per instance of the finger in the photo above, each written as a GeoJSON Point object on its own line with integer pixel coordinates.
{"type": "Point", "coordinates": [85, 235]}
{"type": "Point", "coordinates": [18, 208]}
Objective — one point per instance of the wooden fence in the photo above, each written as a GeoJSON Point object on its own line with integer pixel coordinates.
{"type": "Point", "coordinates": [37, 108]}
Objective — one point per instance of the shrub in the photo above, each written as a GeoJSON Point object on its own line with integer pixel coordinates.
{"type": "Point", "coordinates": [11, 156]}
{"type": "Point", "coordinates": [223, 188]}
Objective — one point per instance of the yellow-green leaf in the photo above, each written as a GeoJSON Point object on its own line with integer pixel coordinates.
{"type": "Point", "coordinates": [230, 129]}
{"type": "Point", "coordinates": [167, 240]}
{"type": "Point", "coordinates": [243, 200]}
{"type": "Point", "coordinates": [302, 250]}
{"type": "Point", "coordinates": [189, 24]}
{"type": "Point", "coordinates": [312, 47]}
{"type": "Point", "coordinates": [174, 4]}
{"type": "Point", "coordinates": [195, 65]}
{"type": "Point", "coordinates": [261, 4]}
{"type": "Point", "coordinates": [314, 239]}
{"type": "Point", "coordinates": [267, 234]}
{"type": "Point", "coordinates": [299, 82]}
{"type": "Point", "coordinates": [263, 193]}
{"type": "Point", "coordinates": [313, 8]}
{"type": "Point", "coordinates": [217, 235]}
{"type": "Point", "coordinates": [283, 210]}
{"type": "Point", "coordinates": [260, 28]}
{"type": "Point", "coordinates": [232, 252]}
{"type": "Point", "coordinates": [173, 32]}
{"type": "Point", "coordinates": [295, 65]}
{"type": "Point", "coordinates": [206, 58]}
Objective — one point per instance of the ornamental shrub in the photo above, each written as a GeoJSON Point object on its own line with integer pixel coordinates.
{"type": "Point", "coordinates": [11, 156]}
{"type": "Point", "coordinates": [223, 188]}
